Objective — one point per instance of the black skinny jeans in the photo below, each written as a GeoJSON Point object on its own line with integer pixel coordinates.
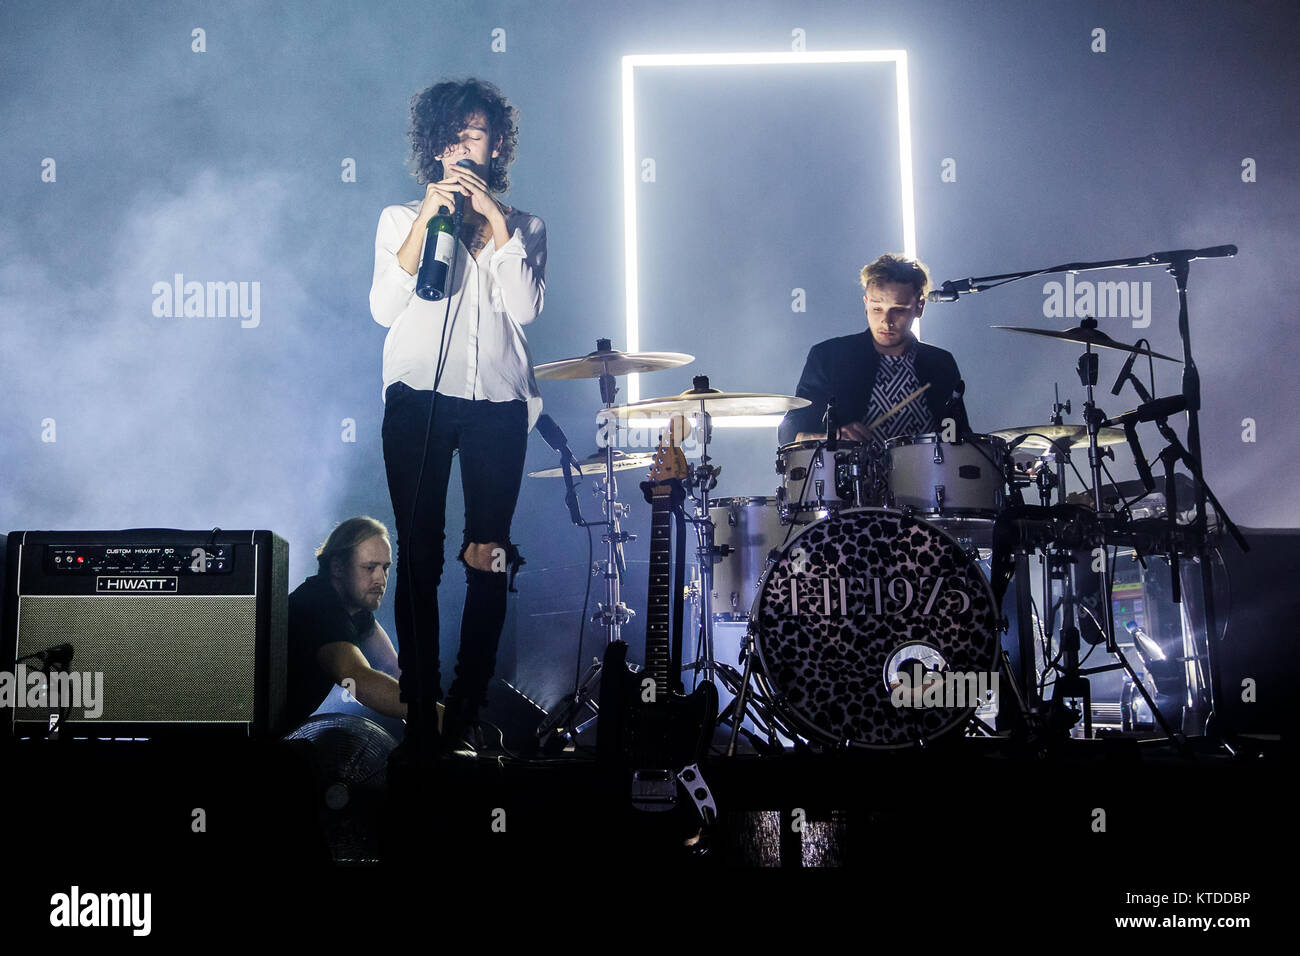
{"type": "Point", "coordinates": [491, 438]}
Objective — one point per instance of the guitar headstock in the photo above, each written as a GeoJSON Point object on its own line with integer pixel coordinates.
{"type": "Point", "coordinates": [669, 461]}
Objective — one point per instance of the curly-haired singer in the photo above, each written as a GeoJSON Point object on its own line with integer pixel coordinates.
{"type": "Point", "coordinates": [457, 378]}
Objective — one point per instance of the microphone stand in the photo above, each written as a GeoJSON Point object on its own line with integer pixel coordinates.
{"type": "Point", "coordinates": [1177, 264]}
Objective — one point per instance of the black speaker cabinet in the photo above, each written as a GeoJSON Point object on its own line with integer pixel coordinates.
{"type": "Point", "coordinates": [1262, 613]}
{"type": "Point", "coordinates": [169, 632]}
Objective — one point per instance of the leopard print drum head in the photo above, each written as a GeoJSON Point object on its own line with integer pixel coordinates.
{"type": "Point", "coordinates": [855, 601]}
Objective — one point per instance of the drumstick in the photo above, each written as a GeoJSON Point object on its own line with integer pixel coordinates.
{"type": "Point", "coordinates": [899, 407]}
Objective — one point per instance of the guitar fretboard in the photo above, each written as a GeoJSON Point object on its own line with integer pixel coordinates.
{"type": "Point", "coordinates": [658, 662]}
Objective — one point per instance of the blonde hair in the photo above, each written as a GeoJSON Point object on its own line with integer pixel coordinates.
{"type": "Point", "coordinates": [344, 538]}
{"type": "Point", "coordinates": [896, 268]}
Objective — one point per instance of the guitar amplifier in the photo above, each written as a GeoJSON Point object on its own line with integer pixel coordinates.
{"type": "Point", "coordinates": [144, 633]}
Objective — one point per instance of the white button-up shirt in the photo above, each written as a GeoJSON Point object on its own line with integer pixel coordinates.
{"type": "Point", "coordinates": [493, 297]}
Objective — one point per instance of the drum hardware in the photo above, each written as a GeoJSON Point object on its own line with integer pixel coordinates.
{"type": "Point", "coordinates": [1071, 682]}
{"type": "Point", "coordinates": [1178, 264]}
{"type": "Point", "coordinates": [604, 364]}
{"type": "Point", "coordinates": [702, 403]}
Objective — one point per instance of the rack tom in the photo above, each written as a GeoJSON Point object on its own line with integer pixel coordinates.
{"type": "Point", "coordinates": [816, 481]}
{"type": "Point", "coordinates": [936, 479]}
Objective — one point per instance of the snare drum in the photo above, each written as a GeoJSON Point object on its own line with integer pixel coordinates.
{"type": "Point", "coordinates": [941, 480]}
{"type": "Point", "coordinates": [816, 482]}
{"type": "Point", "coordinates": [750, 529]}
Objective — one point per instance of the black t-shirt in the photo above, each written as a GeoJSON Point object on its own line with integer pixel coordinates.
{"type": "Point", "coordinates": [316, 618]}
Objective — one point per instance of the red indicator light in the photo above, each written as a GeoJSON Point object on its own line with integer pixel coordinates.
{"type": "Point", "coordinates": [80, 559]}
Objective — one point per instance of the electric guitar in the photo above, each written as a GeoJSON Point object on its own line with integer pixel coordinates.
{"type": "Point", "coordinates": [647, 726]}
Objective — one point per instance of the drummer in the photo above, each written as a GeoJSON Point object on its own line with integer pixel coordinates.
{"type": "Point", "coordinates": [870, 372]}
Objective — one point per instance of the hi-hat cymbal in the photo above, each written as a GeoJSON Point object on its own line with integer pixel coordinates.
{"type": "Point", "coordinates": [1040, 437]}
{"type": "Point", "coordinates": [607, 361]}
{"type": "Point", "coordinates": [595, 464]}
{"type": "Point", "coordinates": [718, 404]}
{"type": "Point", "coordinates": [1086, 335]}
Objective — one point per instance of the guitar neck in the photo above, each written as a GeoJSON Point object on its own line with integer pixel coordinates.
{"type": "Point", "coordinates": [658, 653]}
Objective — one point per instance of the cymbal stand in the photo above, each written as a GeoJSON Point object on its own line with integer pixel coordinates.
{"type": "Point", "coordinates": [1094, 417]}
{"type": "Point", "coordinates": [703, 479]}
{"type": "Point", "coordinates": [1057, 563]}
{"type": "Point", "coordinates": [612, 614]}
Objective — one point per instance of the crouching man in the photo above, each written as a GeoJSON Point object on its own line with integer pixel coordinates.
{"type": "Point", "coordinates": [333, 635]}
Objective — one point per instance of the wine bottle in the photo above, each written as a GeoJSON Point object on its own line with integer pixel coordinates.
{"type": "Point", "coordinates": [431, 281]}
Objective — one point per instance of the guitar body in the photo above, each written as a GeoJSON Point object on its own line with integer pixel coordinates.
{"type": "Point", "coordinates": [651, 739]}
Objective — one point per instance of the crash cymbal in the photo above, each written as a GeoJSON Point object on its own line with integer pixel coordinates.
{"type": "Point", "coordinates": [607, 361]}
{"type": "Point", "coordinates": [1041, 436]}
{"type": "Point", "coordinates": [595, 463]}
{"type": "Point", "coordinates": [718, 404]}
{"type": "Point", "coordinates": [1087, 335]}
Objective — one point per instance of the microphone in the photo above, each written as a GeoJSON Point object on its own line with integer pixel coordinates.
{"type": "Point", "coordinates": [1211, 252]}
{"type": "Point", "coordinates": [948, 292]}
{"type": "Point", "coordinates": [553, 435]}
{"type": "Point", "coordinates": [458, 215]}
{"type": "Point", "coordinates": [1124, 373]}
{"type": "Point", "coordinates": [955, 407]}
{"type": "Point", "coordinates": [56, 658]}
{"type": "Point", "coordinates": [1139, 459]}
{"type": "Point", "coordinates": [1159, 408]}
{"type": "Point", "coordinates": [832, 425]}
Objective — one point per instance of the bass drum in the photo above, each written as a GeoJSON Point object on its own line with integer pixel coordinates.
{"type": "Point", "coordinates": [856, 608]}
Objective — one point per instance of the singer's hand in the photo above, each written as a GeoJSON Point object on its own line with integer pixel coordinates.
{"type": "Point", "coordinates": [855, 431]}
{"type": "Point", "coordinates": [469, 183]}
{"type": "Point", "coordinates": [435, 195]}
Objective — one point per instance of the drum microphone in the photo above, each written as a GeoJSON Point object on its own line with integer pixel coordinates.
{"type": "Point", "coordinates": [1149, 412]}
{"type": "Point", "coordinates": [956, 403]}
{"type": "Point", "coordinates": [950, 291]}
{"type": "Point", "coordinates": [1124, 373]}
{"type": "Point", "coordinates": [554, 436]}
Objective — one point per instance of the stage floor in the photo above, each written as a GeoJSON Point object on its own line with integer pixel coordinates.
{"type": "Point", "coordinates": [1073, 833]}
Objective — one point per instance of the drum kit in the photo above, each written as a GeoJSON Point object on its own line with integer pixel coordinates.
{"type": "Point", "coordinates": [856, 564]}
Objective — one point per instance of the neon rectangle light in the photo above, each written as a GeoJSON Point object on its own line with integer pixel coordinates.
{"type": "Point", "coordinates": [632, 61]}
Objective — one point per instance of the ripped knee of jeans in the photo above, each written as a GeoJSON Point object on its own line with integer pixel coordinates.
{"type": "Point", "coordinates": [503, 559]}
